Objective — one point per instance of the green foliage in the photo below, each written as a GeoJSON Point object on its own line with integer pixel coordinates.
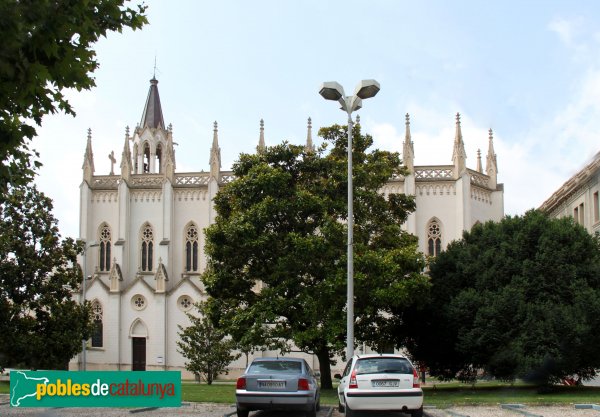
{"type": "Point", "coordinates": [519, 298]}
{"type": "Point", "coordinates": [205, 347]}
{"type": "Point", "coordinates": [46, 49]}
{"type": "Point", "coordinates": [277, 251]}
{"type": "Point", "coordinates": [41, 325]}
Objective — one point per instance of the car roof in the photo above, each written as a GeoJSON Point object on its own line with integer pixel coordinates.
{"type": "Point", "coordinates": [380, 355]}
{"type": "Point", "coordinates": [288, 359]}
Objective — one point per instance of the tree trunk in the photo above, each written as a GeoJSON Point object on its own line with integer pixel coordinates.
{"type": "Point", "coordinates": [325, 368]}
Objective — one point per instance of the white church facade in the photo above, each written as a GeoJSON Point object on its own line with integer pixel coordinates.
{"type": "Point", "coordinates": [146, 224]}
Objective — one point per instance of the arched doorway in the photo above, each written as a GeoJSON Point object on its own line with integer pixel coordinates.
{"type": "Point", "coordinates": [138, 334]}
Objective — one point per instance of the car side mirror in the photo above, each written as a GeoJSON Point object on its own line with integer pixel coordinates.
{"type": "Point", "coordinates": [337, 376]}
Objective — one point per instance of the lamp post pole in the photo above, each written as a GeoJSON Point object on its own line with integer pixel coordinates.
{"type": "Point", "coordinates": [334, 91]}
{"type": "Point", "coordinates": [350, 249]}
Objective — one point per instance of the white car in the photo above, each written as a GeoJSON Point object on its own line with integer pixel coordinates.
{"type": "Point", "coordinates": [382, 382]}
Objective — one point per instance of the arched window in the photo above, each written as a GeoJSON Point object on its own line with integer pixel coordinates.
{"type": "Point", "coordinates": [146, 158]}
{"type": "Point", "coordinates": [105, 246]}
{"type": "Point", "coordinates": [135, 158]}
{"type": "Point", "coordinates": [434, 238]}
{"type": "Point", "coordinates": [97, 334]}
{"type": "Point", "coordinates": [159, 158]}
{"type": "Point", "coordinates": [191, 248]}
{"type": "Point", "coordinates": [147, 248]}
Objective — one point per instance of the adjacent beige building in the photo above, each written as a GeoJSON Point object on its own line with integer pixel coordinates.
{"type": "Point", "coordinates": [578, 197]}
{"type": "Point", "coordinates": [146, 223]}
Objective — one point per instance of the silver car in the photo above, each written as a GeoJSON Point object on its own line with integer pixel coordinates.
{"type": "Point", "coordinates": [278, 384]}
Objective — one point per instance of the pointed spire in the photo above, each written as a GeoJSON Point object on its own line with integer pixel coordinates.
{"type": "Point", "coordinates": [358, 119]}
{"type": "Point", "coordinates": [491, 164]}
{"type": "Point", "coordinates": [126, 163]}
{"type": "Point", "coordinates": [261, 139]}
{"type": "Point", "coordinates": [310, 147]}
{"type": "Point", "coordinates": [459, 156]}
{"type": "Point", "coordinates": [152, 116]}
{"type": "Point", "coordinates": [479, 168]}
{"type": "Point", "coordinates": [215, 155]}
{"type": "Point", "coordinates": [88, 159]}
{"type": "Point", "coordinates": [408, 151]}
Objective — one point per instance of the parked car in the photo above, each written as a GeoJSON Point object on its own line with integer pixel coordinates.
{"type": "Point", "coordinates": [278, 384]}
{"type": "Point", "coordinates": [383, 382]}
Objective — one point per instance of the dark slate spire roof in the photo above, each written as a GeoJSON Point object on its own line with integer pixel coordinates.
{"type": "Point", "coordinates": [152, 116]}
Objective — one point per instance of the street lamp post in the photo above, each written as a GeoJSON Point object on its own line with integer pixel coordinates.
{"type": "Point", "coordinates": [83, 288]}
{"type": "Point", "coordinates": [334, 91]}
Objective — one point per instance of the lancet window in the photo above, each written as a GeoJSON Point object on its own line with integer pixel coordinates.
{"type": "Point", "coordinates": [159, 158]}
{"type": "Point", "coordinates": [146, 158]}
{"type": "Point", "coordinates": [191, 248]}
{"type": "Point", "coordinates": [434, 238]}
{"type": "Point", "coordinates": [97, 316]}
{"type": "Point", "coordinates": [105, 248]}
{"type": "Point", "coordinates": [147, 247]}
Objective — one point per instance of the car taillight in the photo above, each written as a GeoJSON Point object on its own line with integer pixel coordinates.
{"type": "Point", "coordinates": [353, 383]}
{"type": "Point", "coordinates": [416, 382]}
{"type": "Point", "coordinates": [303, 384]}
{"type": "Point", "coordinates": [241, 383]}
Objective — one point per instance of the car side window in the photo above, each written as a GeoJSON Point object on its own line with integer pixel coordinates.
{"type": "Point", "coordinates": [309, 370]}
{"type": "Point", "coordinates": [347, 369]}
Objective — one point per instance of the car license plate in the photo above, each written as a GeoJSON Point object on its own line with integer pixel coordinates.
{"type": "Point", "coordinates": [385, 383]}
{"type": "Point", "coordinates": [271, 384]}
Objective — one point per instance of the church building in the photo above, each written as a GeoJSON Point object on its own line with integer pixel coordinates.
{"type": "Point", "coordinates": [143, 228]}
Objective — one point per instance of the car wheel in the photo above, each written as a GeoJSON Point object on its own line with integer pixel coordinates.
{"type": "Point", "coordinates": [417, 413]}
{"type": "Point", "coordinates": [349, 412]}
{"type": "Point", "coordinates": [312, 412]}
{"type": "Point", "coordinates": [318, 403]}
{"type": "Point", "coordinates": [340, 407]}
{"type": "Point", "coordinates": [242, 413]}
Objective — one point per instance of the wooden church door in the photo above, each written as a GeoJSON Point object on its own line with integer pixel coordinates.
{"type": "Point", "coordinates": [138, 348]}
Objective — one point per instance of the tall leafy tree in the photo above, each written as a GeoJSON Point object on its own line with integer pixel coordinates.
{"type": "Point", "coordinates": [518, 298]}
{"type": "Point", "coordinates": [46, 49]}
{"type": "Point", "coordinates": [40, 323]}
{"type": "Point", "coordinates": [277, 251]}
{"type": "Point", "coordinates": [206, 348]}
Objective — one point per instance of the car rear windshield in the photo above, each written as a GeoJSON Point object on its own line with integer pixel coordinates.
{"type": "Point", "coordinates": [275, 367]}
{"type": "Point", "coordinates": [383, 366]}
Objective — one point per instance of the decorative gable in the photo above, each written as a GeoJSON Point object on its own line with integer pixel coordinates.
{"type": "Point", "coordinates": [161, 277]}
{"type": "Point", "coordinates": [115, 276]}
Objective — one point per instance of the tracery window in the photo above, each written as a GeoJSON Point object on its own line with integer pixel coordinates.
{"type": "Point", "coordinates": [147, 248]}
{"type": "Point", "coordinates": [97, 334]}
{"type": "Point", "coordinates": [191, 248]}
{"type": "Point", "coordinates": [434, 238]}
{"type": "Point", "coordinates": [105, 246]}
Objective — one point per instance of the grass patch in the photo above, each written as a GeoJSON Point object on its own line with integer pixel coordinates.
{"type": "Point", "coordinates": [444, 395]}
{"type": "Point", "coordinates": [4, 387]}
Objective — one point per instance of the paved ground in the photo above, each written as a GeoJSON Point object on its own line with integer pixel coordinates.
{"type": "Point", "coordinates": [220, 410]}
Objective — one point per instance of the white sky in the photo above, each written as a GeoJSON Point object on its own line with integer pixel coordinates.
{"type": "Point", "coordinates": [530, 70]}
